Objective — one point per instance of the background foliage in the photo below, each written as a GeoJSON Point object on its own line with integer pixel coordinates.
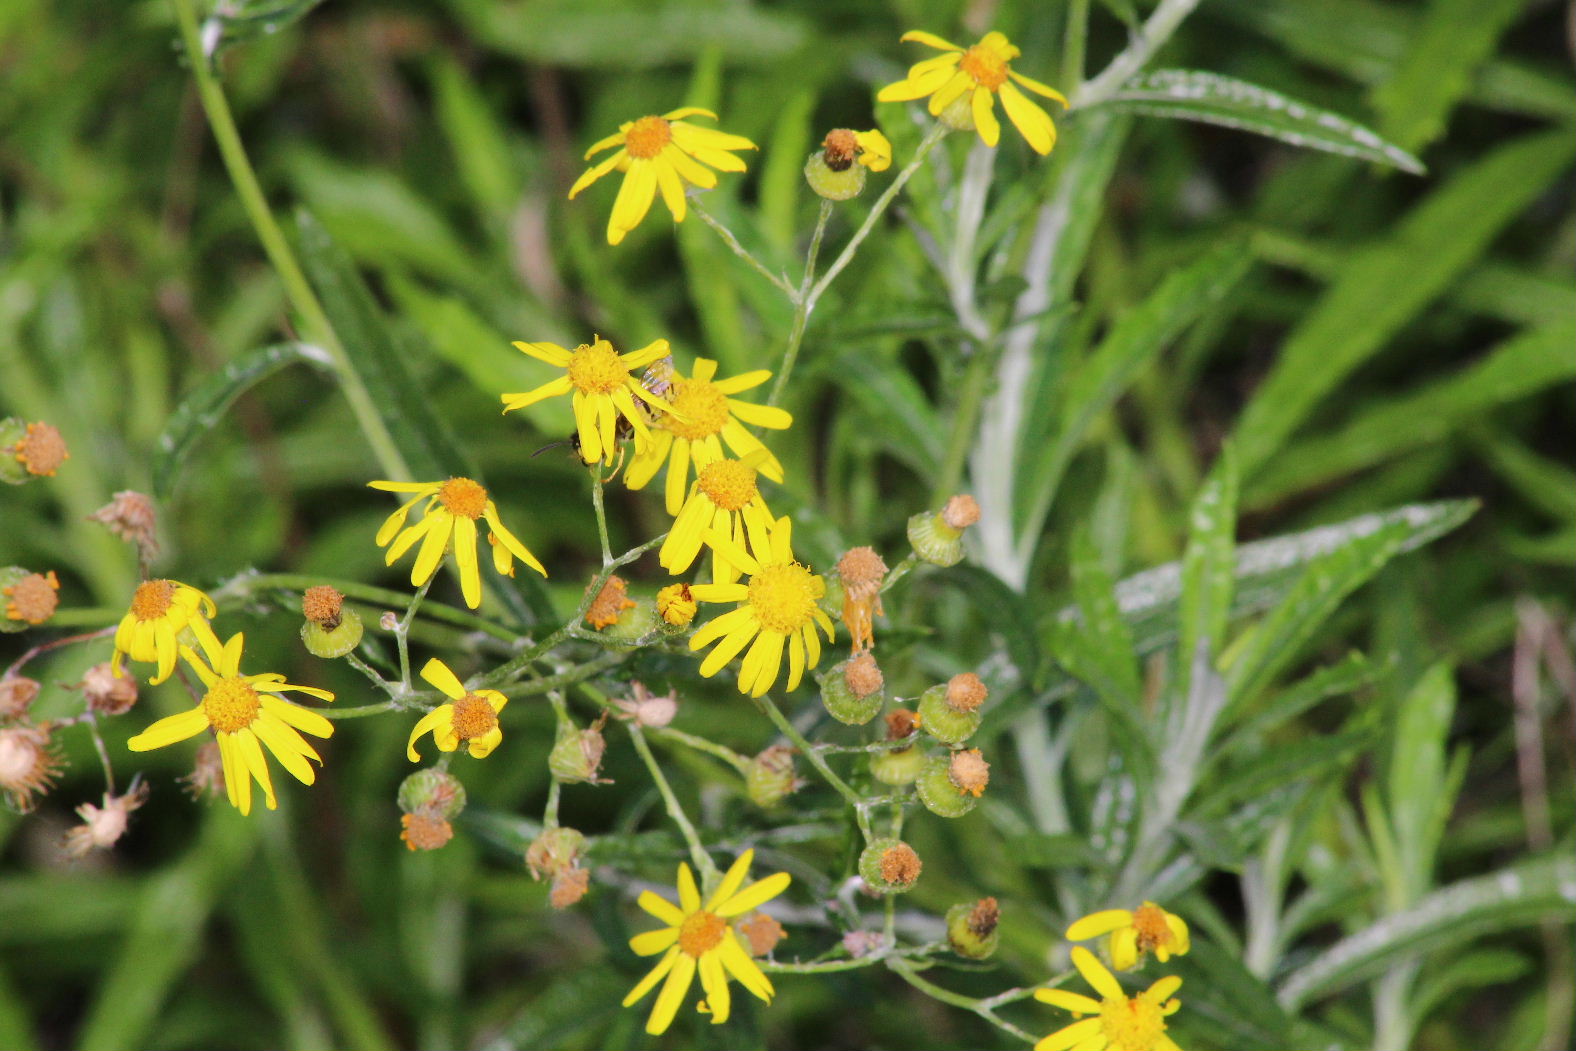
{"type": "Point", "coordinates": [1380, 852]}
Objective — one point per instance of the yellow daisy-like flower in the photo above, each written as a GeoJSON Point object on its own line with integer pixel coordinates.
{"type": "Point", "coordinates": [244, 712]}
{"type": "Point", "coordinates": [724, 499]}
{"type": "Point", "coordinates": [471, 716]}
{"type": "Point", "coordinates": [699, 940]}
{"type": "Point", "coordinates": [776, 608]}
{"type": "Point", "coordinates": [704, 417]}
{"type": "Point", "coordinates": [453, 506]}
{"type": "Point", "coordinates": [1120, 1023]}
{"type": "Point", "coordinates": [981, 72]}
{"type": "Point", "coordinates": [660, 154]}
{"type": "Point", "coordinates": [160, 610]}
{"type": "Point", "coordinates": [1148, 928]}
{"type": "Point", "coordinates": [603, 391]}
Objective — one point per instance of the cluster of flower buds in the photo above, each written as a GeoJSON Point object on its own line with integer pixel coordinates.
{"type": "Point", "coordinates": [430, 799]}
{"type": "Point", "coordinates": [555, 855]}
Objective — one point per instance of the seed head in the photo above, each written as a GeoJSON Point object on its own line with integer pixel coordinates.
{"type": "Point", "coordinates": [969, 771]}
{"type": "Point", "coordinates": [966, 692]}
{"type": "Point", "coordinates": [106, 692]}
{"type": "Point", "coordinates": [761, 933]}
{"type": "Point", "coordinates": [425, 830]}
{"type": "Point", "coordinates": [863, 675]}
{"type": "Point", "coordinates": [609, 603]}
{"type": "Point", "coordinates": [103, 826]}
{"type": "Point", "coordinates": [130, 516]}
{"type": "Point", "coordinates": [17, 692]}
{"type": "Point", "coordinates": [321, 604]}
{"type": "Point", "coordinates": [569, 886]}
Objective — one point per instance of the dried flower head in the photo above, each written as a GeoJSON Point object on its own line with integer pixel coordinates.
{"type": "Point", "coordinates": [646, 709]}
{"type": "Point", "coordinates": [900, 865]}
{"type": "Point", "coordinates": [860, 944]}
{"type": "Point", "coordinates": [569, 886]}
{"type": "Point", "coordinates": [102, 827]}
{"type": "Point", "coordinates": [41, 450]}
{"type": "Point", "coordinates": [966, 692]}
{"type": "Point", "coordinates": [984, 916]}
{"type": "Point", "coordinates": [861, 572]}
{"type": "Point", "coordinates": [610, 603]}
{"type": "Point", "coordinates": [106, 692]}
{"type": "Point", "coordinates": [900, 723]}
{"type": "Point", "coordinates": [17, 692]}
{"type": "Point", "coordinates": [961, 511]}
{"type": "Point", "coordinates": [555, 851]}
{"type": "Point", "coordinates": [761, 933]}
{"type": "Point", "coordinates": [28, 765]}
{"type": "Point", "coordinates": [32, 599]}
{"type": "Point", "coordinates": [130, 516]}
{"type": "Point", "coordinates": [207, 776]}
{"type": "Point", "coordinates": [425, 830]}
{"type": "Point", "coordinates": [863, 675]}
{"type": "Point", "coordinates": [321, 605]}
{"type": "Point", "coordinates": [969, 771]}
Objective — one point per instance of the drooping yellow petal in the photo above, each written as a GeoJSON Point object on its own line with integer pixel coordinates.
{"type": "Point", "coordinates": [551, 389]}
{"type": "Point", "coordinates": [655, 975]}
{"type": "Point", "coordinates": [745, 970]}
{"type": "Point", "coordinates": [673, 993]}
{"type": "Point", "coordinates": [715, 982]}
{"type": "Point", "coordinates": [439, 675]}
{"type": "Point", "coordinates": [1035, 86]}
{"type": "Point", "coordinates": [252, 754]}
{"type": "Point", "coordinates": [634, 199]}
{"type": "Point", "coordinates": [433, 546]}
{"type": "Point", "coordinates": [728, 648]}
{"type": "Point", "coordinates": [1094, 972]}
{"type": "Point", "coordinates": [170, 729]}
{"type": "Point", "coordinates": [769, 645]}
{"type": "Point", "coordinates": [286, 747]}
{"type": "Point", "coordinates": [919, 36]}
{"type": "Point", "coordinates": [983, 105]}
{"type": "Point", "coordinates": [1032, 122]}
{"type": "Point", "coordinates": [431, 722]}
{"type": "Point", "coordinates": [671, 187]}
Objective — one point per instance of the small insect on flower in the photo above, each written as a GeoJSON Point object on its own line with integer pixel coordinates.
{"type": "Point", "coordinates": [1120, 1023]}
{"type": "Point", "coordinates": [244, 712]}
{"type": "Point", "coordinates": [452, 508]}
{"type": "Point", "coordinates": [151, 629]}
{"type": "Point", "coordinates": [471, 716]}
{"type": "Point", "coordinates": [704, 415]}
{"type": "Point", "coordinates": [660, 154]}
{"type": "Point", "coordinates": [777, 608]}
{"type": "Point", "coordinates": [1148, 928]}
{"type": "Point", "coordinates": [699, 940]}
{"type": "Point", "coordinates": [972, 78]}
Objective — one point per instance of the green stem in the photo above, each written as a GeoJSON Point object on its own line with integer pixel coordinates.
{"type": "Point", "coordinates": [739, 250]}
{"type": "Point", "coordinates": [801, 305]}
{"type": "Point", "coordinates": [703, 863]}
{"type": "Point", "coordinates": [601, 513]}
{"type": "Point", "coordinates": [245, 585]}
{"type": "Point", "coordinates": [578, 673]}
{"type": "Point", "coordinates": [1074, 41]}
{"type": "Point", "coordinates": [402, 631]}
{"type": "Point", "coordinates": [278, 249]}
{"type": "Point", "coordinates": [812, 754]}
{"type": "Point", "coordinates": [360, 711]}
{"type": "Point", "coordinates": [701, 744]}
{"type": "Point", "coordinates": [899, 571]}
{"type": "Point", "coordinates": [984, 1009]}
{"type": "Point", "coordinates": [1163, 21]}
{"type": "Point", "coordinates": [965, 421]}
{"type": "Point", "coordinates": [550, 815]}
{"type": "Point", "coordinates": [936, 133]}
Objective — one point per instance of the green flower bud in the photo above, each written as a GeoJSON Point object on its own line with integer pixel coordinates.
{"type": "Point", "coordinates": [971, 928]}
{"type": "Point", "coordinates": [577, 753]}
{"type": "Point", "coordinates": [890, 865]}
{"type": "Point", "coordinates": [832, 184]}
{"type": "Point", "coordinates": [950, 785]}
{"type": "Point", "coordinates": [12, 431]}
{"type": "Point", "coordinates": [432, 790]}
{"type": "Point", "coordinates": [950, 712]}
{"type": "Point", "coordinates": [897, 768]}
{"type": "Point", "coordinates": [336, 642]}
{"type": "Point", "coordinates": [770, 778]}
{"type": "Point", "coordinates": [853, 690]}
{"type": "Point", "coordinates": [938, 537]}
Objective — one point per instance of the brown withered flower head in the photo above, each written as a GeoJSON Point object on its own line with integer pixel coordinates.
{"type": "Point", "coordinates": [130, 516]}
{"type": "Point", "coordinates": [610, 603]}
{"type": "Point", "coordinates": [861, 572]}
{"type": "Point", "coordinates": [646, 709]}
{"type": "Point", "coordinates": [17, 692]}
{"type": "Point", "coordinates": [32, 599]}
{"type": "Point", "coordinates": [106, 692]}
{"type": "Point", "coordinates": [102, 827]}
{"type": "Point", "coordinates": [28, 765]}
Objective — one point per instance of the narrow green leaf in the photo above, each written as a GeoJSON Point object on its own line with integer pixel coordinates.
{"type": "Point", "coordinates": [1109, 640]}
{"type": "Point", "coordinates": [1416, 776]}
{"type": "Point", "coordinates": [1095, 384]}
{"type": "Point", "coordinates": [1384, 287]}
{"type": "Point", "coordinates": [1005, 611]}
{"type": "Point", "coordinates": [1274, 643]}
{"type": "Point", "coordinates": [1542, 890]}
{"type": "Point", "coordinates": [1456, 37]}
{"type": "Point", "coordinates": [1208, 567]}
{"type": "Point", "coordinates": [1226, 101]}
{"type": "Point", "coordinates": [782, 172]}
{"type": "Point", "coordinates": [1346, 677]}
{"type": "Point", "coordinates": [1541, 481]}
{"type": "Point", "coordinates": [478, 144]}
{"type": "Point", "coordinates": [238, 21]}
{"type": "Point", "coordinates": [200, 411]}
{"type": "Point", "coordinates": [902, 419]}
{"type": "Point", "coordinates": [1523, 365]}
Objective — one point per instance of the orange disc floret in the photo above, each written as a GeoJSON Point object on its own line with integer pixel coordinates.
{"type": "Point", "coordinates": [32, 599]}
{"type": "Point", "coordinates": [41, 450]}
{"type": "Point", "coordinates": [609, 604]}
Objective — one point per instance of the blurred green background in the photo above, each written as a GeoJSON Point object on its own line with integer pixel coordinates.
{"type": "Point", "coordinates": [1392, 338]}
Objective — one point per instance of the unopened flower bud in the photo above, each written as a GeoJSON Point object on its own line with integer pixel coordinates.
{"type": "Point", "coordinates": [106, 692]}
{"type": "Point", "coordinates": [388, 620]}
{"type": "Point", "coordinates": [569, 886]}
{"type": "Point", "coordinates": [950, 712]}
{"type": "Point", "coordinates": [770, 776]}
{"type": "Point", "coordinates": [554, 851]}
{"type": "Point", "coordinates": [102, 828]}
{"type": "Point", "coordinates": [646, 709]}
{"type": "Point", "coordinates": [29, 450]}
{"type": "Point", "coordinates": [331, 630]}
{"type": "Point", "coordinates": [889, 865]}
{"type": "Point", "coordinates": [951, 785]}
{"type": "Point", "coordinates": [29, 598]}
{"type": "Point", "coordinates": [760, 932]}
{"type": "Point", "coordinates": [28, 765]}
{"type": "Point", "coordinates": [432, 791]}
{"type": "Point", "coordinates": [130, 516]}
{"type": "Point", "coordinates": [577, 753]}
{"type": "Point", "coordinates": [16, 694]}
{"type": "Point", "coordinates": [852, 690]}
{"type": "Point", "coordinates": [971, 928]}
{"type": "Point", "coordinates": [937, 536]}
{"type": "Point", "coordinates": [676, 606]}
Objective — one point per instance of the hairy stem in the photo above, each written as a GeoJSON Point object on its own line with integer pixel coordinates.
{"type": "Point", "coordinates": [698, 855]}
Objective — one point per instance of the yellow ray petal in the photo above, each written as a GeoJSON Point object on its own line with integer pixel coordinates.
{"type": "Point", "coordinates": [660, 907]}
{"type": "Point", "coordinates": [715, 982]}
{"type": "Point", "coordinates": [984, 107]}
{"type": "Point", "coordinates": [745, 970]}
{"type": "Point", "coordinates": [689, 895]}
{"type": "Point", "coordinates": [919, 36]}
{"type": "Point", "coordinates": [304, 719]}
{"type": "Point", "coordinates": [634, 199]}
{"type": "Point", "coordinates": [653, 942]}
{"type": "Point", "coordinates": [551, 353]}
{"type": "Point", "coordinates": [1033, 122]}
{"type": "Point", "coordinates": [551, 389]}
{"type": "Point", "coordinates": [1097, 923]}
{"type": "Point", "coordinates": [655, 975]}
{"type": "Point", "coordinates": [673, 993]}
{"type": "Point", "coordinates": [755, 895]}
{"type": "Point", "coordinates": [1067, 1036]}
{"type": "Point", "coordinates": [1096, 975]}
{"type": "Point", "coordinates": [170, 729]}
{"type": "Point", "coordinates": [432, 721]}
{"type": "Point", "coordinates": [1068, 1001]}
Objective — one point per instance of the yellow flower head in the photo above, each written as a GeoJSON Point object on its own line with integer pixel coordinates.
{"type": "Point", "coordinates": [453, 506]}
{"type": "Point", "coordinates": [244, 712]}
{"type": "Point", "coordinates": [1148, 928]}
{"type": "Point", "coordinates": [471, 716]}
{"type": "Point", "coordinates": [1119, 1023]}
{"type": "Point", "coordinates": [724, 499]}
{"type": "Point", "coordinates": [660, 153]}
{"type": "Point", "coordinates": [704, 416]}
{"type": "Point", "coordinates": [699, 939]}
{"type": "Point", "coordinates": [603, 390]}
{"type": "Point", "coordinates": [160, 609]}
{"type": "Point", "coordinates": [981, 72]}
{"type": "Point", "coordinates": [777, 607]}
{"type": "Point", "coordinates": [843, 146]}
